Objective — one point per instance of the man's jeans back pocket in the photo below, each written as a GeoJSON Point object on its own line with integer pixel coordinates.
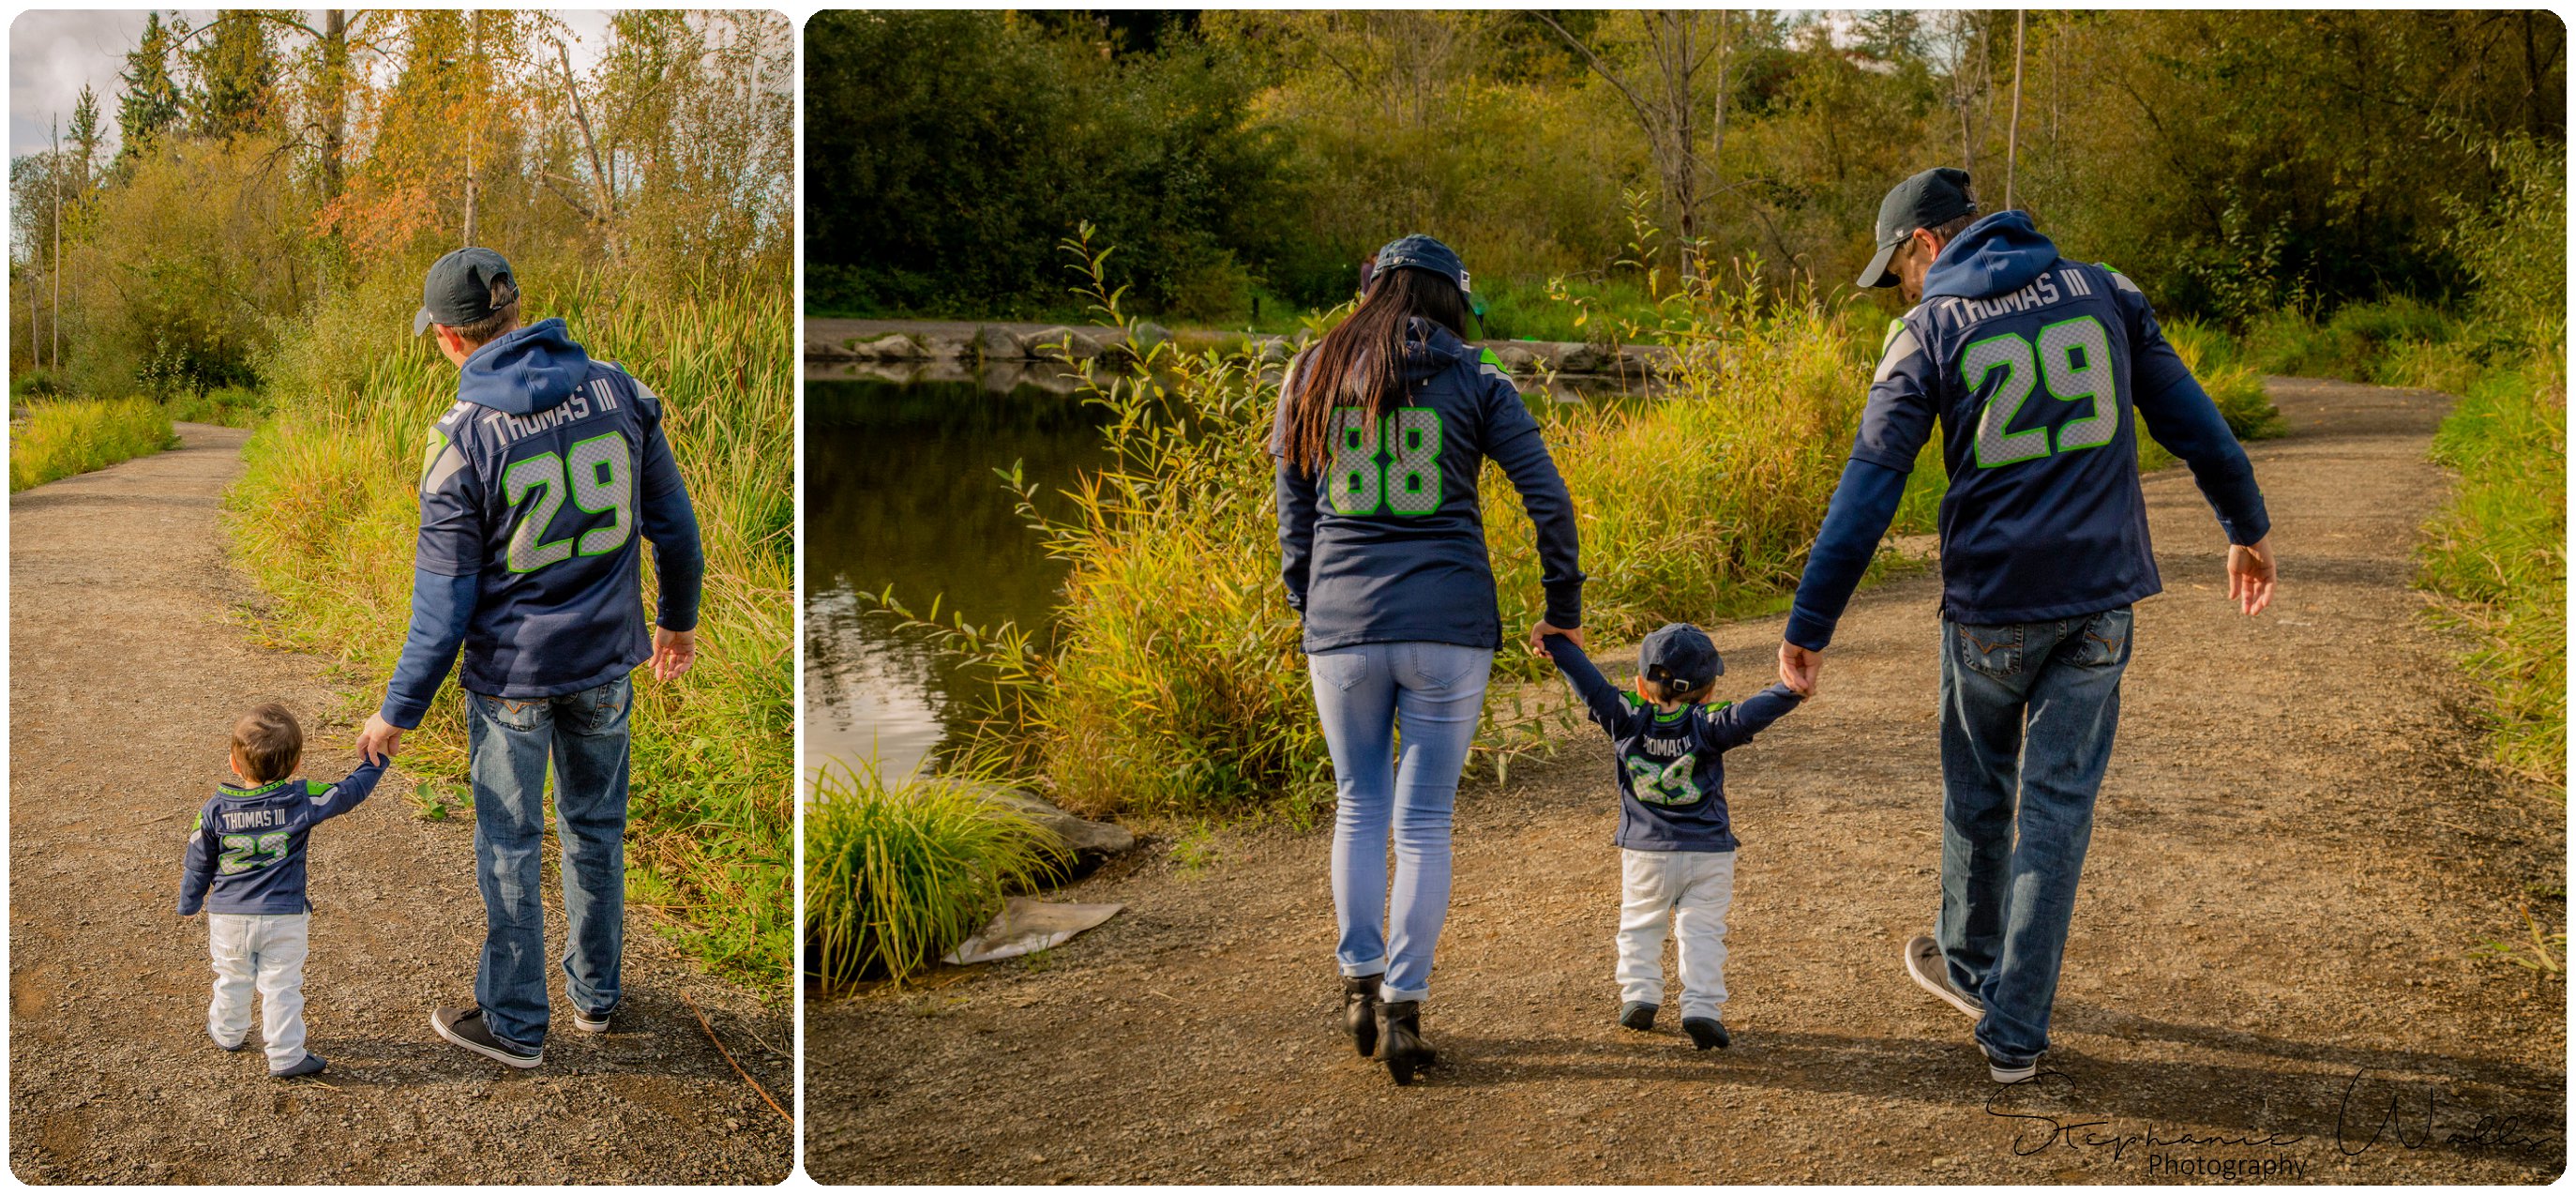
{"type": "Point", "coordinates": [2102, 641]}
{"type": "Point", "coordinates": [601, 710]}
{"type": "Point", "coordinates": [1993, 650]}
{"type": "Point", "coordinates": [513, 713]}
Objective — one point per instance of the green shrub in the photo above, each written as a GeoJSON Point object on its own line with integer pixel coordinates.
{"type": "Point", "coordinates": [62, 437]}
{"type": "Point", "coordinates": [896, 875]}
{"type": "Point", "coordinates": [2236, 389]}
{"type": "Point", "coordinates": [326, 515]}
{"type": "Point", "coordinates": [226, 406]}
{"type": "Point", "coordinates": [2498, 553]}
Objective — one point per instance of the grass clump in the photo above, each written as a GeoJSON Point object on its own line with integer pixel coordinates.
{"type": "Point", "coordinates": [896, 875]}
{"type": "Point", "coordinates": [61, 437]}
{"type": "Point", "coordinates": [324, 519]}
{"type": "Point", "coordinates": [226, 406]}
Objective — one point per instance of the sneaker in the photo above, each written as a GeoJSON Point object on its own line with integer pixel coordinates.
{"type": "Point", "coordinates": [464, 1028]}
{"type": "Point", "coordinates": [2002, 1073]}
{"type": "Point", "coordinates": [593, 1022]}
{"type": "Point", "coordinates": [1638, 1015]}
{"type": "Point", "coordinates": [1923, 961]}
{"type": "Point", "coordinates": [312, 1064]}
{"type": "Point", "coordinates": [234, 1048]}
{"type": "Point", "coordinates": [1705, 1032]}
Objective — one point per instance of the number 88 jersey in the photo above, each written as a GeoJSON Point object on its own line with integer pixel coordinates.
{"type": "Point", "coordinates": [535, 483]}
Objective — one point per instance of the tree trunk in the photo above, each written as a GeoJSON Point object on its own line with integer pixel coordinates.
{"type": "Point", "coordinates": [335, 100]}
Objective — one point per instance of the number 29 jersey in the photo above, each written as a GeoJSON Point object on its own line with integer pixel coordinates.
{"type": "Point", "coordinates": [542, 505]}
{"type": "Point", "coordinates": [2037, 390]}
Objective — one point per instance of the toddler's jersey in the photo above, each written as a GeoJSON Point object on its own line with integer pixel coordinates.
{"type": "Point", "coordinates": [246, 852]}
{"type": "Point", "coordinates": [1672, 778]}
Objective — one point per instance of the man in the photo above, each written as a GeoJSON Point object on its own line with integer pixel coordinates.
{"type": "Point", "coordinates": [532, 490]}
{"type": "Point", "coordinates": [2033, 366]}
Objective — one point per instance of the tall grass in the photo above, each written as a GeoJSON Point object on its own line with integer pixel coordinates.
{"type": "Point", "coordinates": [896, 875]}
{"type": "Point", "coordinates": [325, 519]}
{"type": "Point", "coordinates": [61, 437]}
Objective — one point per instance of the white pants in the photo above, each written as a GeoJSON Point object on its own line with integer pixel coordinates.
{"type": "Point", "coordinates": [1693, 889]}
{"type": "Point", "coordinates": [269, 952]}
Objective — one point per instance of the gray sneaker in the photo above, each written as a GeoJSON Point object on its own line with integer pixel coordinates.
{"type": "Point", "coordinates": [2001, 1073]}
{"type": "Point", "coordinates": [1923, 961]}
{"type": "Point", "coordinates": [593, 1022]}
{"type": "Point", "coordinates": [464, 1029]}
{"type": "Point", "coordinates": [310, 1064]}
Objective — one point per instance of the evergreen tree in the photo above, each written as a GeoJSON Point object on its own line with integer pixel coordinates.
{"type": "Point", "coordinates": [86, 133]}
{"type": "Point", "coordinates": [236, 68]}
{"type": "Point", "coordinates": [150, 103]}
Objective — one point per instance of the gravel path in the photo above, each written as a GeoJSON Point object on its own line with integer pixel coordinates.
{"type": "Point", "coordinates": [128, 664]}
{"type": "Point", "coordinates": [2293, 852]}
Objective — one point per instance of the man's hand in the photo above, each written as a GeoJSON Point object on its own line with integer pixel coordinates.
{"type": "Point", "coordinates": [2250, 575]}
{"type": "Point", "coordinates": [1799, 668]}
{"type": "Point", "coordinates": [380, 740]}
{"type": "Point", "coordinates": [1538, 637]}
{"type": "Point", "coordinates": [673, 653]}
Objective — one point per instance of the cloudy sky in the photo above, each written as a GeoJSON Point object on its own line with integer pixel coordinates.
{"type": "Point", "coordinates": [53, 52]}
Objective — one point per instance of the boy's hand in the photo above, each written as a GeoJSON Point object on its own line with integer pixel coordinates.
{"type": "Point", "coordinates": [673, 653]}
{"type": "Point", "coordinates": [1538, 637]}
{"type": "Point", "coordinates": [380, 740]}
{"type": "Point", "coordinates": [2250, 575]}
{"type": "Point", "coordinates": [1799, 668]}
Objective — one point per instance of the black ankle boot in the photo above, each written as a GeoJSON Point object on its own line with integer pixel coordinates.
{"type": "Point", "coordinates": [1359, 1012]}
{"type": "Point", "coordinates": [1399, 1027]}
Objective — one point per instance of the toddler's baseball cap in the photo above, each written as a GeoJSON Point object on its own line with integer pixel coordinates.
{"type": "Point", "coordinates": [1679, 657]}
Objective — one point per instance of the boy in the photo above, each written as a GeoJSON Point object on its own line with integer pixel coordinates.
{"type": "Point", "coordinates": [246, 867]}
{"type": "Point", "coordinates": [1676, 847]}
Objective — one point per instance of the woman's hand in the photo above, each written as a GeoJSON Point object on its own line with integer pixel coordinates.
{"type": "Point", "coordinates": [1538, 636]}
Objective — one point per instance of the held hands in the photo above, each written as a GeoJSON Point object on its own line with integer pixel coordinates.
{"type": "Point", "coordinates": [673, 653]}
{"type": "Point", "coordinates": [1800, 667]}
{"type": "Point", "coordinates": [1538, 637]}
{"type": "Point", "coordinates": [380, 740]}
{"type": "Point", "coordinates": [2251, 573]}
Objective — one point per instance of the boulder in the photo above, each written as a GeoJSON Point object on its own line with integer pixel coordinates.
{"type": "Point", "coordinates": [893, 346]}
{"type": "Point", "coordinates": [1059, 342]}
{"type": "Point", "coordinates": [994, 342]}
{"type": "Point", "coordinates": [1146, 334]}
{"type": "Point", "coordinates": [1575, 356]}
{"type": "Point", "coordinates": [1088, 841]}
{"type": "Point", "coordinates": [1517, 358]}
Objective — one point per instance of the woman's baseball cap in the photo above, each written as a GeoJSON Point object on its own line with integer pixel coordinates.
{"type": "Point", "coordinates": [1422, 253]}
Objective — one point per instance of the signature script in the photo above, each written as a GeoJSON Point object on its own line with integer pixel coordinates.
{"type": "Point", "coordinates": [2398, 1124]}
{"type": "Point", "coordinates": [2047, 1130]}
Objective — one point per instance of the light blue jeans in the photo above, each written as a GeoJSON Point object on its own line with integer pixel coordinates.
{"type": "Point", "coordinates": [507, 748]}
{"type": "Point", "coordinates": [1434, 692]}
{"type": "Point", "coordinates": [2028, 711]}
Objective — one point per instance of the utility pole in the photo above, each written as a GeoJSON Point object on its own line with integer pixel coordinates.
{"type": "Point", "coordinates": [2012, 139]}
{"type": "Point", "coordinates": [54, 135]}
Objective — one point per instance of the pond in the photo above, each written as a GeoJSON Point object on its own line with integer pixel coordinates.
{"type": "Point", "coordinates": [900, 490]}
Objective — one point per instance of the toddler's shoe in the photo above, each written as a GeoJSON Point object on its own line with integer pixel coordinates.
{"type": "Point", "coordinates": [311, 1065]}
{"type": "Point", "coordinates": [1705, 1032]}
{"type": "Point", "coordinates": [234, 1048]}
{"type": "Point", "coordinates": [1638, 1015]}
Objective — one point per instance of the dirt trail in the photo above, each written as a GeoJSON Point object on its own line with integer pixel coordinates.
{"type": "Point", "coordinates": [126, 670]}
{"type": "Point", "coordinates": [2292, 852]}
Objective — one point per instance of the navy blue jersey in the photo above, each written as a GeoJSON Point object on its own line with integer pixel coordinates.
{"type": "Point", "coordinates": [535, 484]}
{"type": "Point", "coordinates": [1386, 543]}
{"type": "Point", "coordinates": [1670, 766]}
{"type": "Point", "coordinates": [246, 852]}
{"type": "Point", "coordinates": [2037, 370]}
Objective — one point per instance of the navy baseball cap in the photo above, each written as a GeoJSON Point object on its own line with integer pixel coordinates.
{"type": "Point", "coordinates": [1422, 253]}
{"type": "Point", "coordinates": [1679, 657]}
{"type": "Point", "coordinates": [464, 287]}
{"type": "Point", "coordinates": [1927, 200]}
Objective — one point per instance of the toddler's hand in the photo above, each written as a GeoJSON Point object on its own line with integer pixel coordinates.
{"type": "Point", "coordinates": [1538, 637]}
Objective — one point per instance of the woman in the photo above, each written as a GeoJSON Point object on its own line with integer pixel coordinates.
{"type": "Point", "coordinates": [1381, 431]}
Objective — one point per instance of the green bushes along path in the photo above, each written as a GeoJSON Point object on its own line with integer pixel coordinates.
{"type": "Point", "coordinates": [62, 437]}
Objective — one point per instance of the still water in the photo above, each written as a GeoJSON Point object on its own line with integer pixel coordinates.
{"type": "Point", "coordinates": [900, 490]}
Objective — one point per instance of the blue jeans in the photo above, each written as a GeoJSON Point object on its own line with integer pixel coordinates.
{"type": "Point", "coordinates": [1436, 693]}
{"type": "Point", "coordinates": [2028, 711]}
{"type": "Point", "coordinates": [507, 747]}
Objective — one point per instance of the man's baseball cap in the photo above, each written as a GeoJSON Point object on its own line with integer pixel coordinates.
{"type": "Point", "coordinates": [464, 287]}
{"type": "Point", "coordinates": [1927, 200]}
{"type": "Point", "coordinates": [1679, 658]}
{"type": "Point", "coordinates": [1422, 253]}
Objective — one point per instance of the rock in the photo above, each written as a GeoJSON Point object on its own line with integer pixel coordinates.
{"type": "Point", "coordinates": [1517, 358]}
{"type": "Point", "coordinates": [993, 342]}
{"type": "Point", "coordinates": [942, 347]}
{"type": "Point", "coordinates": [1096, 840]}
{"type": "Point", "coordinates": [1578, 357]}
{"type": "Point", "coordinates": [893, 346]}
{"type": "Point", "coordinates": [1060, 342]}
{"type": "Point", "coordinates": [1146, 334]}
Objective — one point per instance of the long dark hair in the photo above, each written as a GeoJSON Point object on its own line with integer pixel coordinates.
{"type": "Point", "coordinates": [1361, 363]}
